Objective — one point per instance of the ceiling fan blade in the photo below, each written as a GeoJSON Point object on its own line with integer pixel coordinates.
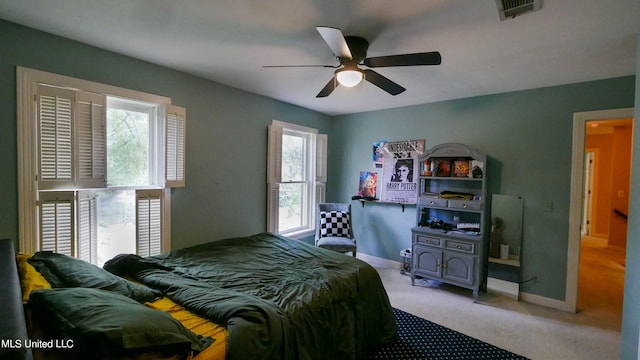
{"type": "Point", "coordinates": [425, 58]}
{"type": "Point", "coordinates": [328, 89]}
{"type": "Point", "coordinates": [334, 38]}
{"type": "Point", "coordinates": [382, 82]}
{"type": "Point", "coordinates": [293, 66]}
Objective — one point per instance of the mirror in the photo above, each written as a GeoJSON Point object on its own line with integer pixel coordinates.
{"type": "Point", "coordinates": [505, 244]}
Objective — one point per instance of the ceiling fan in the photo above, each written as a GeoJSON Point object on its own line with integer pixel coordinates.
{"type": "Point", "coordinates": [351, 53]}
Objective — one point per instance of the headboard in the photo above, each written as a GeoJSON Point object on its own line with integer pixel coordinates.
{"type": "Point", "coordinates": [13, 327]}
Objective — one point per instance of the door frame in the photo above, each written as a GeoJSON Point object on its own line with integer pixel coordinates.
{"type": "Point", "coordinates": [575, 206]}
{"type": "Point", "coordinates": [587, 191]}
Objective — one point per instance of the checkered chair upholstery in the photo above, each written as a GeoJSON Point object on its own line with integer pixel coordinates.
{"type": "Point", "coordinates": [333, 228]}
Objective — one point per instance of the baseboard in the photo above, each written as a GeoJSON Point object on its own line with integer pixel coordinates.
{"type": "Point", "coordinates": [544, 301]}
{"type": "Point", "coordinates": [526, 297]}
{"type": "Point", "coordinates": [374, 260]}
{"type": "Point", "coordinates": [505, 288]}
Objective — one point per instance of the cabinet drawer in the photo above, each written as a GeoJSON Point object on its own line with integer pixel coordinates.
{"type": "Point", "coordinates": [428, 240]}
{"type": "Point", "coordinates": [465, 204]}
{"type": "Point", "coordinates": [433, 201]}
{"type": "Point", "coordinates": [461, 246]}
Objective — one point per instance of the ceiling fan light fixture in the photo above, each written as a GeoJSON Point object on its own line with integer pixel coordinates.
{"type": "Point", "coordinates": [349, 77]}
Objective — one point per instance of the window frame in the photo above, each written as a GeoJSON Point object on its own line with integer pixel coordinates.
{"type": "Point", "coordinates": [315, 174]}
{"type": "Point", "coordinates": [28, 81]}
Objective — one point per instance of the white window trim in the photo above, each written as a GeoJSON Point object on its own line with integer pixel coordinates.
{"type": "Point", "coordinates": [27, 84]}
{"type": "Point", "coordinates": [318, 164]}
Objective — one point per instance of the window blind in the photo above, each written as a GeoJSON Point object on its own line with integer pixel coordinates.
{"type": "Point", "coordinates": [57, 222]}
{"type": "Point", "coordinates": [174, 148]}
{"type": "Point", "coordinates": [149, 222]}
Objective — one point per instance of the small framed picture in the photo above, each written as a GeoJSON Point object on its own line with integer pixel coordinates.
{"type": "Point", "coordinates": [461, 168]}
{"type": "Point", "coordinates": [477, 168]}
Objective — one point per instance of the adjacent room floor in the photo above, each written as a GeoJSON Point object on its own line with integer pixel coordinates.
{"type": "Point", "coordinates": [529, 330]}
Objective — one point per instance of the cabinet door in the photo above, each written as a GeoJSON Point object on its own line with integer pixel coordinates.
{"type": "Point", "coordinates": [459, 268]}
{"type": "Point", "coordinates": [427, 260]}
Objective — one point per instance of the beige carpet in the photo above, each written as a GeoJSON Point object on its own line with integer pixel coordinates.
{"type": "Point", "coordinates": [529, 330]}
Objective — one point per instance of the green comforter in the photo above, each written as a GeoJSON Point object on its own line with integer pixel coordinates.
{"type": "Point", "coordinates": [279, 298]}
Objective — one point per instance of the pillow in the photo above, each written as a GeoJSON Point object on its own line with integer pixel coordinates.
{"type": "Point", "coordinates": [65, 271]}
{"type": "Point", "coordinates": [30, 278]}
{"type": "Point", "coordinates": [334, 223]}
{"type": "Point", "coordinates": [107, 323]}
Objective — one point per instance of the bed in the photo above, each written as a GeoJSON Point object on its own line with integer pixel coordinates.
{"type": "Point", "coordinates": [263, 297]}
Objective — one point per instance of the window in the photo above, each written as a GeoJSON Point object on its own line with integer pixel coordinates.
{"type": "Point", "coordinates": [101, 158]}
{"type": "Point", "coordinates": [297, 176]}
{"type": "Point", "coordinates": [130, 134]}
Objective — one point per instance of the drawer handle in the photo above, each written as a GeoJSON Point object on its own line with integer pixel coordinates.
{"type": "Point", "coordinates": [464, 206]}
{"type": "Point", "coordinates": [457, 246]}
{"type": "Point", "coordinates": [428, 241]}
{"type": "Point", "coordinates": [431, 203]}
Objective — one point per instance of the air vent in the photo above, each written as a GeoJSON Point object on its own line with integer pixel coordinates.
{"type": "Point", "coordinates": [508, 9]}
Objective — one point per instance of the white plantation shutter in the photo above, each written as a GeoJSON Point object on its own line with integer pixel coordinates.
{"type": "Point", "coordinates": [87, 221]}
{"type": "Point", "coordinates": [320, 191]}
{"type": "Point", "coordinates": [72, 138]}
{"type": "Point", "coordinates": [274, 175]}
{"type": "Point", "coordinates": [274, 165]}
{"type": "Point", "coordinates": [55, 136]}
{"type": "Point", "coordinates": [91, 133]}
{"type": "Point", "coordinates": [149, 222]}
{"type": "Point", "coordinates": [57, 222]}
{"type": "Point", "coordinates": [273, 207]}
{"type": "Point", "coordinates": [321, 157]}
{"type": "Point", "coordinates": [175, 146]}
{"type": "Point", "coordinates": [321, 168]}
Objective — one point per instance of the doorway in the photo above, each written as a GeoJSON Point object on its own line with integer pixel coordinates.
{"type": "Point", "coordinates": [607, 118]}
{"type": "Point", "coordinates": [608, 146]}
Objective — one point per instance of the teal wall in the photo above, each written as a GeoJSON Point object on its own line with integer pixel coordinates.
{"type": "Point", "coordinates": [527, 136]}
{"type": "Point", "coordinates": [226, 133]}
{"type": "Point", "coordinates": [631, 309]}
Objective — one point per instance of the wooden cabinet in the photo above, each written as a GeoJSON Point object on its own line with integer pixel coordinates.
{"type": "Point", "coordinates": [449, 240]}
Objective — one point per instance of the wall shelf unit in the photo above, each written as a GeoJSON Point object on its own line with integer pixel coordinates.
{"type": "Point", "coordinates": [364, 201]}
{"type": "Point", "coordinates": [450, 237]}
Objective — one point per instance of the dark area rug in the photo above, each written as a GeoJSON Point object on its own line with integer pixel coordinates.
{"type": "Point", "coordinates": [420, 339]}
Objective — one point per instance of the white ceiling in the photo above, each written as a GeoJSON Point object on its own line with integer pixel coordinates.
{"type": "Point", "coordinates": [228, 41]}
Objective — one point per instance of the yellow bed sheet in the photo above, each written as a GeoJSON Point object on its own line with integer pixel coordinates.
{"type": "Point", "coordinates": [31, 279]}
{"type": "Point", "coordinates": [198, 325]}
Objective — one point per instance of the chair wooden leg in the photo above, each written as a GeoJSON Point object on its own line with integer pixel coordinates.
{"type": "Point", "coordinates": [354, 253]}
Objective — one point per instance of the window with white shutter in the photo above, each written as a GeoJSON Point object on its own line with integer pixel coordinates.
{"type": "Point", "coordinates": [296, 178]}
{"type": "Point", "coordinates": [101, 157]}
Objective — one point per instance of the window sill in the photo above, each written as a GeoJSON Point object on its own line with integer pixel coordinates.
{"type": "Point", "coordinates": [301, 234]}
